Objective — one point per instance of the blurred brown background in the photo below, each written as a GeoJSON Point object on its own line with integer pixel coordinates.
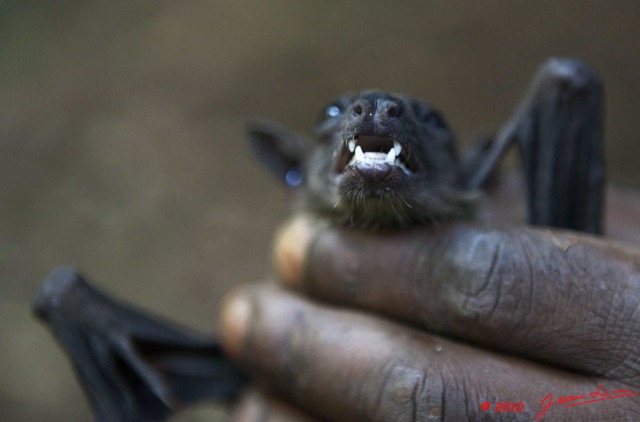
{"type": "Point", "coordinates": [121, 135]}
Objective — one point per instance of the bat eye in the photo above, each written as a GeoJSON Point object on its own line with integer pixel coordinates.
{"type": "Point", "coordinates": [427, 115]}
{"type": "Point", "coordinates": [329, 118]}
{"type": "Point", "coordinates": [335, 109]}
{"type": "Point", "coordinates": [332, 111]}
{"type": "Point", "coordinates": [434, 119]}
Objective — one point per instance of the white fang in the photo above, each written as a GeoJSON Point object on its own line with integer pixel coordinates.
{"type": "Point", "coordinates": [397, 148]}
{"type": "Point", "coordinates": [359, 154]}
{"type": "Point", "coordinates": [391, 156]}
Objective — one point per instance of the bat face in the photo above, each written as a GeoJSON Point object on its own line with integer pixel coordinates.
{"type": "Point", "coordinates": [384, 160]}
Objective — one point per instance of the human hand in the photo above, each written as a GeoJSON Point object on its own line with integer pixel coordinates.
{"type": "Point", "coordinates": [533, 312]}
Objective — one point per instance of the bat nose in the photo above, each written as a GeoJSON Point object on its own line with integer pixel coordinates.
{"type": "Point", "coordinates": [388, 109]}
{"type": "Point", "coordinates": [375, 113]}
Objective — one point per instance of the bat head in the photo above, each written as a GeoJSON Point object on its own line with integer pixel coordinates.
{"type": "Point", "coordinates": [376, 160]}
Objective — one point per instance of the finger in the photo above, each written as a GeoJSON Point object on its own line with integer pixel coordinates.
{"type": "Point", "coordinates": [537, 293]}
{"type": "Point", "coordinates": [258, 407]}
{"type": "Point", "coordinates": [342, 365]}
{"type": "Point", "coordinates": [292, 242]}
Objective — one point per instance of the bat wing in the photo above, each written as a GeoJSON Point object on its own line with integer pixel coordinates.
{"type": "Point", "coordinates": [559, 130]}
{"type": "Point", "coordinates": [133, 367]}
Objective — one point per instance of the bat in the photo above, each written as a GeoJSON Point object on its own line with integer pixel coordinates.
{"type": "Point", "coordinates": [376, 161]}
{"type": "Point", "coordinates": [132, 366]}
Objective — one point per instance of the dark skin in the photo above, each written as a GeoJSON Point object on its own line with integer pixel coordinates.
{"type": "Point", "coordinates": [452, 333]}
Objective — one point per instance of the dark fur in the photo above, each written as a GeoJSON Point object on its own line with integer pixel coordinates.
{"type": "Point", "coordinates": [378, 197]}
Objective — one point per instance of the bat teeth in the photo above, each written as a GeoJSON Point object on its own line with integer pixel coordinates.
{"type": "Point", "coordinates": [359, 155]}
{"type": "Point", "coordinates": [367, 153]}
{"type": "Point", "coordinates": [391, 156]}
{"type": "Point", "coordinates": [397, 148]}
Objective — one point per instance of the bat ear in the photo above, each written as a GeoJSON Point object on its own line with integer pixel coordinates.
{"type": "Point", "coordinates": [278, 149]}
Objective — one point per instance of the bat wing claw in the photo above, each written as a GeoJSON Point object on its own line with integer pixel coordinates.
{"type": "Point", "coordinates": [132, 366]}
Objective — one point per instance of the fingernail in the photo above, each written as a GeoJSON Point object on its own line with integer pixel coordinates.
{"type": "Point", "coordinates": [251, 408]}
{"type": "Point", "coordinates": [292, 243]}
{"type": "Point", "coordinates": [235, 317]}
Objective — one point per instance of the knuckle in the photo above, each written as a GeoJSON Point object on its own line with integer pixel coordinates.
{"type": "Point", "coordinates": [409, 394]}
{"type": "Point", "coordinates": [477, 269]}
{"type": "Point", "coordinates": [415, 394]}
{"type": "Point", "coordinates": [491, 277]}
